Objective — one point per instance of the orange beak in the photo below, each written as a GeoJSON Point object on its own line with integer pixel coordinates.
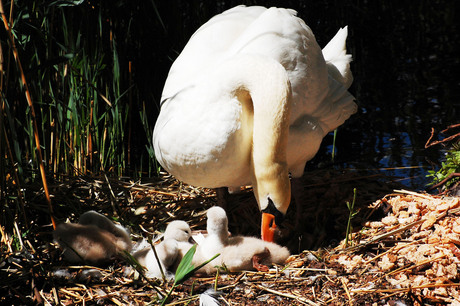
{"type": "Point", "coordinates": [268, 227]}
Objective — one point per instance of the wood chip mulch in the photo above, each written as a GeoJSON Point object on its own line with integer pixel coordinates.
{"type": "Point", "coordinates": [404, 249]}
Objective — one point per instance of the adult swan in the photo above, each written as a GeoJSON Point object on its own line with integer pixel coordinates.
{"type": "Point", "coordinates": [248, 101]}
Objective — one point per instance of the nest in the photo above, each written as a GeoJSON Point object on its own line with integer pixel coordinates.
{"type": "Point", "coordinates": [404, 246]}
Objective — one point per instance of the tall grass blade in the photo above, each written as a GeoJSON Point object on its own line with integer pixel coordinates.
{"type": "Point", "coordinates": [32, 112]}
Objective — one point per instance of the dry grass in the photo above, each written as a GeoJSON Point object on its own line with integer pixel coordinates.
{"type": "Point", "coordinates": [405, 245]}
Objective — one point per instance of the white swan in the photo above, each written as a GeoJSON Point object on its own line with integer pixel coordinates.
{"type": "Point", "coordinates": [249, 100]}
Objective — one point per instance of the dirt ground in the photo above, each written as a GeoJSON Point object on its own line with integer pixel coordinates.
{"type": "Point", "coordinates": [403, 247]}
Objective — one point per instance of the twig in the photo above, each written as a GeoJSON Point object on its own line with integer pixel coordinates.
{"type": "Point", "coordinates": [428, 144]}
{"type": "Point", "coordinates": [452, 126]}
{"type": "Point", "coordinates": [347, 292]}
{"type": "Point", "coordinates": [415, 266]}
{"type": "Point", "coordinates": [288, 295]}
{"type": "Point", "coordinates": [309, 269]}
{"type": "Point", "coordinates": [395, 248]}
{"type": "Point", "coordinates": [113, 199]}
{"type": "Point", "coordinates": [157, 259]}
{"type": "Point", "coordinates": [397, 290]}
{"type": "Point", "coordinates": [384, 235]}
{"type": "Point", "coordinates": [428, 197]}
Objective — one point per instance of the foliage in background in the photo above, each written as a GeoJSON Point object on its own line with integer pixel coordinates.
{"type": "Point", "coordinates": [81, 89]}
{"type": "Point", "coordinates": [448, 167]}
{"type": "Point", "coordinates": [96, 70]}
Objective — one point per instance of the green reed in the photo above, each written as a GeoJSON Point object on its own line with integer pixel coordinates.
{"type": "Point", "coordinates": [79, 87]}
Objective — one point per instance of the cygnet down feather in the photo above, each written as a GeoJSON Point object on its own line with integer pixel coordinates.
{"type": "Point", "coordinates": [94, 218]}
{"type": "Point", "coordinates": [88, 243]}
{"type": "Point", "coordinates": [177, 241]}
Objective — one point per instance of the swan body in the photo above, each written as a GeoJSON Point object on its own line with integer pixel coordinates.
{"type": "Point", "coordinates": [236, 253]}
{"type": "Point", "coordinates": [239, 254]}
{"type": "Point", "coordinates": [249, 100]}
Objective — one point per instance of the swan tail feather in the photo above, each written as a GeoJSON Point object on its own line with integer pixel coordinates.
{"type": "Point", "coordinates": [337, 59]}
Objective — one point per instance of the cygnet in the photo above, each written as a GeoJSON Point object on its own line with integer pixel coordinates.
{"type": "Point", "coordinates": [177, 241]}
{"type": "Point", "coordinates": [237, 253]}
{"type": "Point", "coordinates": [95, 239]}
{"type": "Point", "coordinates": [87, 243]}
{"type": "Point", "coordinates": [94, 218]}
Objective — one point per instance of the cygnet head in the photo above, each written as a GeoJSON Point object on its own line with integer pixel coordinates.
{"type": "Point", "coordinates": [217, 221]}
{"type": "Point", "coordinates": [179, 231]}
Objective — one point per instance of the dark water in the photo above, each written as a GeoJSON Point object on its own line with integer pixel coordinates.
{"type": "Point", "coordinates": [406, 67]}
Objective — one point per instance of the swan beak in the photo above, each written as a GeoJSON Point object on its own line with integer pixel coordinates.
{"type": "Point", "coordinates": [268, 227]}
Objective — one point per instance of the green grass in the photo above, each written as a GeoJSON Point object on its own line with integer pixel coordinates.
{"type": "Point", "coordinates": [351, 215]}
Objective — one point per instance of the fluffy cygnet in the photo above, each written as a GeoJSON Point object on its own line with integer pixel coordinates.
{"type": "Point", "coordinates": [217, 238]}
{"type": "Point", "coordinates": [237, 253]}
{"type": "Point", "coordinates": [168, 253]}
{"type": "Point", "coordinates": [177, 241]}
{"type": "Point", "coordinates": [180, 231]}
{"type": "Point", "coordinates": [95, 239]}
{"type": "Point", "coordinates": [248, 253]}
{"type": "Point", "coordinates": [94, 218]}
{"type": "Point", "coordinates": [87, 243]}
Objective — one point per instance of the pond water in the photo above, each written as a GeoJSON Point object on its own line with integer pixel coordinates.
{"type": "Point", "coordinates": [406, 68]}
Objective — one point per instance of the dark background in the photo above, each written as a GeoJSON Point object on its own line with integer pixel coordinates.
{"type": "Point", "coordinates": [406, 66]}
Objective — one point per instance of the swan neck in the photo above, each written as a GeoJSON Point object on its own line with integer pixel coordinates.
{"type": "Point", "coordinates": [269, 90]}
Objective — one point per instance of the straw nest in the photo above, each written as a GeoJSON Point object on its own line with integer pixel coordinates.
{"type": "Point", "coordinates": [404, 246]}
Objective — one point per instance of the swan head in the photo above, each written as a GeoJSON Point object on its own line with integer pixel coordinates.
{"type": "Point", "coordinates": [273, 193]}
{"type": "Point", "coordinates": [271, 216]}
{"type": "Point", "coordinates": [180, 231]}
